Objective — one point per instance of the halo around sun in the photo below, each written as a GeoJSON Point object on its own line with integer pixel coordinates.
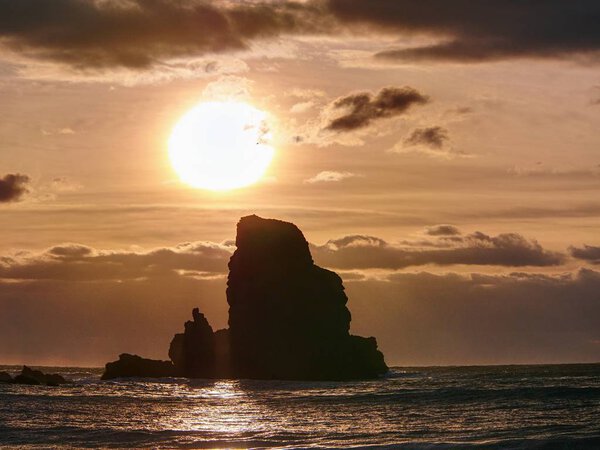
{"type": "Point", "coordinates": [221, 146]}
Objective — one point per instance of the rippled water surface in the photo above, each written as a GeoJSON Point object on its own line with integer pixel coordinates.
{"type": "Point", "coordinates": [493, 407]}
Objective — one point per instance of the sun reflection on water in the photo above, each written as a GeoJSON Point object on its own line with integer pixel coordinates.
{"type": "Point", "coordinates": [425, 405]}
{"type": "Point", "coordinates": [219, 407]}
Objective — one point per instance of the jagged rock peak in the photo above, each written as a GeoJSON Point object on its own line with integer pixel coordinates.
{"type": "Point", "coordinates": [193, 351]}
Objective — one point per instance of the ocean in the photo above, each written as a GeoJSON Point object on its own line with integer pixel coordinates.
{"type": "Point", "coordinates": [520, 407]}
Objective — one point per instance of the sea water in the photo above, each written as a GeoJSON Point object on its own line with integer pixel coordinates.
{"type": "Point", "coordinates": [444, 407]}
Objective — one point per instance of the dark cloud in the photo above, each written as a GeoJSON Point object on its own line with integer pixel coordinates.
{"type": "Point", "coordinates": [70, 252]}
{"type": "Point", "coordinates": [13, 187]}
{"type": "Point", "coordinates": [433, 137]}
{"type": "Point", "coordinates": [587, 253]}
{"type": "Point", "coordinates": [442, 230]}
{"type": "Point", "coordinates": [363, 108]}
{"type": "Point", "coordinates": [139, 33]}
{"type": "Point", "coordinates": [418, 318]}
{"type": "Point", "coordinates": [367, 252]}
{"type": "Point", "coordinates": [482, 31]}
{"type": "Point", "coordinates": [80, 263]}
{"type": "Point", "coordinates": [433, 319]}
{"type": "Point", "coordinates": [67, 322]}
{"type": "Point", "coordinates": [70, 294]}
{"type": "Point", "coordinates": [77, 262]}
{"type": "Point", "coordinates": [461, 110]}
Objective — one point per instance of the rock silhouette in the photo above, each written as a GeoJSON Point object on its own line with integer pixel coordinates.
{"type": "Point", "coordinates": [287, 319]}
{"type": "Point", "coordinates": [287, 316]}
{"type": "Point", "coordinates": [5, 377]}
{"type": "Point", "coordinates": [129, 366]}
{"type": "Point", "coordinates": [193, 351]}
{"type": "Point", "coordinates": [37, 377]}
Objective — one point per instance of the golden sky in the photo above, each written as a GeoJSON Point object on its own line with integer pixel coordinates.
{"type": "Point", "coordinates": [441, 156]}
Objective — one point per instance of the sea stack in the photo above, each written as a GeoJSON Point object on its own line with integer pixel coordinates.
{"type": "Point", "coordinates": [193, 351]}
{"type": "Point", "coordinates": [288, 319]}
{"type": "Point", "coordinates": [287, 316]}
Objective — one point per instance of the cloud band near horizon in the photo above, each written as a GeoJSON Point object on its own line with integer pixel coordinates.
{"type": "Point", "coordinates": [440, 245]}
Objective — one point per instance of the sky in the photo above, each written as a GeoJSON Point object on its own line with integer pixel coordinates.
{"type": "Point", "coordinates": [442, 156]}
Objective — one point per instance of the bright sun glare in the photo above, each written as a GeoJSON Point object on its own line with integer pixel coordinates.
{"type": "Point", "coordinates": [221, 146]}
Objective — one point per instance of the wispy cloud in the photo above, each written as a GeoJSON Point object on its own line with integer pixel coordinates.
{"type": "Point", "coordinates": [363, 108]}
{"type": "Point", "coordinates": [329, 176]}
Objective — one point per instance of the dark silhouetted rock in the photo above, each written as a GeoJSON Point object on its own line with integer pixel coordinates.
{"type": "Point", "coordinates": [35, 374]}
{"type": "Point", "coordinates": [24, 379]}
{"type": "Point", "coordinates": [223, 367]}
{"type": "Point", "coordinates": [136, 366]}
{"type": "Point", "coordinates": [193, 351]}
{"type": "Point", "coordinates": [5, 378]}
{"type": "Point", "coordinates": [37, 377]}
{"type": "Point", "coordinates": [54, 379]}
{"type": "Point", "coordinates": [287, 319]}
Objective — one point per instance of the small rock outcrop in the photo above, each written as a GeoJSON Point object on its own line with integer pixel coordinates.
{"type": "Point", "coordinates": [37, 377]}
{"type": "Point", "coordinates": [136, 366]}
{"type": "Point", "coordinates": [24, 379]}
{"type": "Point", "coordinates": [193, 351]}
{"type": "Point", "coordinates": [288, 319]}
{"type": "Point", "coordinates": [5, 377]}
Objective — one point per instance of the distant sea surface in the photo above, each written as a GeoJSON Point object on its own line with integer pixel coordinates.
{"type": "Point", "coordinates": [542, 407]}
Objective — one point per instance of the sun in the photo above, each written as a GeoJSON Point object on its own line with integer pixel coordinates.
{"type": "Point", "coordinates": [221, 146]}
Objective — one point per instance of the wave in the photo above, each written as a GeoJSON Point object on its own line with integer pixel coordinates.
{"type": "Point", "coordinates": [107, 437]}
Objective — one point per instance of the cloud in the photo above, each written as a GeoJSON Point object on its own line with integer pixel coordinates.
{"type": "Point", "coordinates": [81, 263]}
{"type": "Point", "coordinates": [481, 31]}
{"type": "Point", "coordinates": [356, 240]}
{"type": "Point", "coordinates": [13, 187]}
{"type": "Point", "coordinates": [70, 252]}
{"type": "Point", "coordinates": [459, 110]}
{"type": "Point", "coordinates": [539, 169]}
{"type": "Point", "coordinates": [433, 137]}
{"type": "Point", "coordinates": [442, 230]}
{"type": "Point", "coordinates": [67, 322]}
{"type": "Point", "coordinates": [588, 253]}
{"type": "Point", "coordinates": [139, 34]}
{"type": "Point", "coordinates": [436, 319]}
{"type": "Point", "coordinates": [164, 70]}
{"type": "Point", "coordinates": [302, 107]}
{"type": "Point", "coordinates": [329, 176]}
{"type": "Point", "coordinates": [69, 295]}
{"type": "Point", "coordinates": [228, 87]}
{"type": "Point", "coordinates": [76, 262]}
{"type": "Point", "coordinates": [363, 108]}
{"type": "Point", "coordinates": [60, 131]}
{"type": "Point", "coordinates": [368, 252]}
{"type": "Point", "coordinates": [63, 184]}
{"type": "Point", "coordinates": [432, 141]}
{"type": "Point", "coordinates": [418, 318]}
{"type": "Point", "coordinates": [306, 94]}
